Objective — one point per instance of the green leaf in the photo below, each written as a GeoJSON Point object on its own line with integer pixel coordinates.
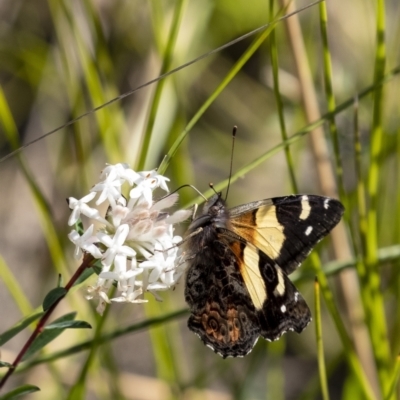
{"type": "Point", "coordinates": [4, 364]}
{"type": "Point", "coordinates": [20, 391]}
{"type": "Point", "coordinates": [67, 317]}
{"type": "Point", "coordinates": [85, 275]}
{"type": "Point", "coordinates": [48, 336]}
{"type": "Point", "coordinates": [69, 325]}
{"type": "Point", "coordinates": [7, 335]}
{"type": "Point", "coordinates": [97, 267]}
{"type": "Point", "coordinates": [53, 296]}
{"type": "Point", "coordinates": [79, 227]}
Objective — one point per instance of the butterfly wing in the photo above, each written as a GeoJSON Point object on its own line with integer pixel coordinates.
{"type": "Point", "coordinates": [279, 306]}
{"type": "Point", "coordinates": [286, 228]}
{"type": "Point", "coordinates": [222, 313]}
{"type": "Point", "coordinates": [237, 285]}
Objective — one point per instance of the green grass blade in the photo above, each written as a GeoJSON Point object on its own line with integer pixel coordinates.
{"type": "Point", "coordinates": [279, 103]}
{"type": "Point", "coordinates": [320, 344]}
{"type": "Point", "coordinates": [351, 355]}
{"type": "Point", "coordinates": [14, 288]}
{"type": "Point", "coordinates": [375, 313]}
{"type": "Point", "coordinates": [393, 384]}
{"type": "Point", "coordinates": [228, 78]}
{"type": "Point", "coordinates": [166, 65]}
{"type": "Point", "coordinates": [330, 100]}
{"type": "Point", "coordinates": [44, 210]}
{"type": "Point", "coordinates": [292, 139]}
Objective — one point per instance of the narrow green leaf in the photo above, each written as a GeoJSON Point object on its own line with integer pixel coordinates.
{"type": "Point", "coordinates": [67, 317]}
{"type": "Point", "coordinates": [69, 325]}
{"type": "Point", "coordinates": [20, 391]}
{"type": "Point", "coordinates": [4, 364]}
{"type": "Point", "coordinates": [79, 227]}
{"type": "Point", "coordinates": [53, 296]}
{"type": "Point", "coordinates": [48, 336]}
{"type": "Point", "coordinates": [9, 334]}
{"type": "Point", "coordinates": [106, 338]}
{"type": "Point", "coordinates": [87, 273]}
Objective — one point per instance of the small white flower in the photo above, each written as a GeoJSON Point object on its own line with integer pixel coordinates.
{"type": "Point", "coordinates": [136, 245]}
{"type": "Point", "coordinates": [118, 214]}
{"type": "Point", "coordinates": [85, 242]}
{"type": "Point", "coordinates": [120, 171]}
{"type": "Point", "coordinates": [79, 207]}
{"type": "Point", "coordinates": [131, 297]}
{"type": "Point", "coordinates": [146, 183]}
{"type": "Point", "coordinates": [125, 279]}
{"type": "Point", "coordinates": [162, 266]}
{"type": "Point", "coordinates": [116, 246]}
{"type": "Point", "coordinates": [110, 190]}
{"type": "Point", "coordinates": [99, 291]}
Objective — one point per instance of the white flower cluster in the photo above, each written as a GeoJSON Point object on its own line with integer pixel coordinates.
{"type": "Point", "coordinates": [135, 243]}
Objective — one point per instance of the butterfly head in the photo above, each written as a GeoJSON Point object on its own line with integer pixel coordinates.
{"type": "Point", "coordinates": [214, 214]}
{"type": "Point", "coordinates": [214, 205]}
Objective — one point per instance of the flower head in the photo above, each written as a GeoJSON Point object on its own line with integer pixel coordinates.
{"type": "Point", "coordinates": [136, 245]}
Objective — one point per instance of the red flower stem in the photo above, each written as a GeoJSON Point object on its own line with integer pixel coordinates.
{"type": "Point", "coordinates": [87, 261]}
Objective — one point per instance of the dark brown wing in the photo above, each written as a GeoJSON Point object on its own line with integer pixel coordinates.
{"type": "Point", "coordinates": [222, 313]}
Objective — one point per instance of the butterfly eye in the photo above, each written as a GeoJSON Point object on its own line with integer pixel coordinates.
{"type": "Point", "coordinates": [214, 209]}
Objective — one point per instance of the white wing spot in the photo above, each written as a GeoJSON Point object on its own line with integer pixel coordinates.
{"type": "Point", "coordinates": [296, 297]}
{"type": "Point", "coordinates": [326, 204]}
{"type": "Point", "coordinates": [305, 208]}
{"type": "Point", "coordinates": [308, 230]}
{"type": "Point", "coordinates": [283, 308]}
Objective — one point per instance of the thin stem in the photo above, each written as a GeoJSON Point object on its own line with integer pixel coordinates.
{"type": "Point", "coordinates": [87, 261]}
{"type": "Point", "coordinates": [320, 344]}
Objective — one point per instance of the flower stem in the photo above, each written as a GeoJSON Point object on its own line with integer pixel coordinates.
{"type": "Point", "coordinates": [86, 263]}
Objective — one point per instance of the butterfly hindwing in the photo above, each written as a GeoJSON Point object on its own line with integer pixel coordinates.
{"type": "Point", "coordinates": [279, 306]}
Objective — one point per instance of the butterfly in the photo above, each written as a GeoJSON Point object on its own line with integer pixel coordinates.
{"type": "Point", "coordinates": [237, 283]}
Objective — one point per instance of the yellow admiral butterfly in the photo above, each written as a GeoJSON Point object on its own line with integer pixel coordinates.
{"type": "Point", "coordinates": [237, 285]}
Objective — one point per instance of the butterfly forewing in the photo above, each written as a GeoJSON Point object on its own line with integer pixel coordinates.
{"type": "Point", "coordinates": [286, 228]}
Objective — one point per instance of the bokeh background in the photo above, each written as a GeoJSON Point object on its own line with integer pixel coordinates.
{"type": "Point", "coordinates": [60, 59]}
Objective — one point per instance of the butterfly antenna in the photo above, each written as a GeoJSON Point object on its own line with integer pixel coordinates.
{"type": "Point", "coordinates": [230, 169]}
{"type": "Point", "coordinates": [211, 185]}
{"type": "Point", "coordinates": [187, 185]}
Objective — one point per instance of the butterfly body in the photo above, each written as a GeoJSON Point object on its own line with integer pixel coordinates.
{"type": "Point", "coordinates": [237, 285]}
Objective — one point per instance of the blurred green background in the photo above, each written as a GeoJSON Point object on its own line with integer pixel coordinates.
{"type": "Point", "coordinates": [60, 59]}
